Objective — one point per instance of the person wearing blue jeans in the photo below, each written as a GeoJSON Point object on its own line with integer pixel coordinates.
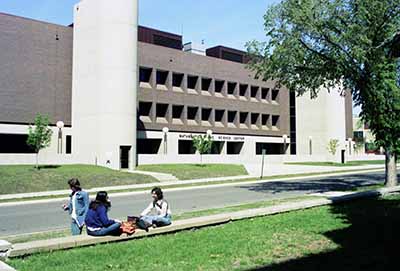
{"type": "Point", "coordinates": [97, 221]}
{"type": "Point", "coordinates": [77, 206]}
{"type": "Point", "coordinates": [158, 213]}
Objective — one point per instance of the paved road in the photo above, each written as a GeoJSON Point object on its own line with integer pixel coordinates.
{"type": "Point", "coordinates": [49, 216]}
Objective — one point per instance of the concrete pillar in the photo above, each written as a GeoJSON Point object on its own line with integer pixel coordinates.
{"type": "Point", "coordinates": [105, 76]}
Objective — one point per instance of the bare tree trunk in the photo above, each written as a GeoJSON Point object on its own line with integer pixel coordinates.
{"type": "Point", "coordinates": [391, 171]}
{"type": "Point", "coordinates": [37, 160]}
{"type": "Point", "coordinates": [201, 159]}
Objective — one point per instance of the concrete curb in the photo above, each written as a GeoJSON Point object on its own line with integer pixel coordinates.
{"type": "Point", "coordinates": [5, 267]}
{"type": "Point", "coordinates": [33, 247]}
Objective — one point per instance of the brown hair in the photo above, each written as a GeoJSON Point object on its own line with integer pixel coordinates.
{"type": "Point", "coordinates": [74, 183]}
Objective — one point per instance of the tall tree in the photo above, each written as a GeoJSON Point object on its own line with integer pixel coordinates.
{"type": "Point", "coordinates": [350, 44]}
{"type": "Point", "coordinates": [39, 135]}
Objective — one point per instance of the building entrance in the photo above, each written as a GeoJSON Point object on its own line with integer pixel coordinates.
{"type": "Point", "coordinates": [124, 152]}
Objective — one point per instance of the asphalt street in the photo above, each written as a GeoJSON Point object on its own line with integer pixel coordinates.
{"type": "Point", "coordinates": [36, 217]}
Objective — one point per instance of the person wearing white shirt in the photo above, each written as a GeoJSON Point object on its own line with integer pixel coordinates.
{"type": "Point", "coordinates": [158, 213]}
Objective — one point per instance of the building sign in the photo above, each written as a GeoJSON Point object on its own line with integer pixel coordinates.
{"type": "Point", "coordinates": [215, 137]}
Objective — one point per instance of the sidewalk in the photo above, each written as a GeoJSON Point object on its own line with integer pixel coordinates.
{"type": "Point", "coordinates": [270, 171]}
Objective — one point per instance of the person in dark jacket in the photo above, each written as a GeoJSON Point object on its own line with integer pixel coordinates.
{"type": "Point", "coordinates": [77, 206]}
{"type": "Point", "coordinates": [97, 221]}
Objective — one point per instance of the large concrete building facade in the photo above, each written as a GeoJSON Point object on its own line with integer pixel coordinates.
{"type": "Point", "coordinates": [130, 94]}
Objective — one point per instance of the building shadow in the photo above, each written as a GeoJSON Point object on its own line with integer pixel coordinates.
{"type": "Point", "coordinates": [370, 242]}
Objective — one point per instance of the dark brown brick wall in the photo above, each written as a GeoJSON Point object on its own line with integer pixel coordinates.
{"type": "Point", "coordinates": [35, 70]}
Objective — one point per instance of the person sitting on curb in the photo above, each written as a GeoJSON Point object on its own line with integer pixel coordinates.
{"type": "Point", "coordinates": [77, 206]}
{"type": "Point", "coordinates": [159, 208]}
{"type": "Point", "coordinates": [97, 221]}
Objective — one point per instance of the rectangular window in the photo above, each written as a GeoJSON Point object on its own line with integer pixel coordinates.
{"type": "Point", "coordinates": [177, 80]}
{"type": "Point", "coordinates": [148, 146]}
{"type": "Point", "coordinates": [145, 75]}
{"type": "Point", "coordinates": [14, 143]}
{"type": "Point", "coordinates": [219, 86]}
{"type": "Point", "coordinates": [265, 121]}
{"type": "Point", "coordinates": [265, 94]}
{"type": "Point", "coordinates": [234, 148]}
{"type": "Point", "coordinates": [162, 113]}
{"type": "Point", "coordinates": [206, 114]}
{"type": "Point", "coordinates": [243, 90]}
{"type": "Point", "coordinates": [68, 144]}
{"type": "Point", "coordinates": [219, 117]}
{"type": "Point", "coordinates": [275, 122]}
{"type": "Point", "coordinates": [206, 84]}
{"type": "Point", "coordinates": [145, 109]}
{"type": "Point", "coordinates": [161, 79]}
{"type": "Point", "coordinates": [243, 117]}
{"type": "Point", "coordinates": [177, 114]}
{"type": "Point", "coordinates": [192, 81]}
{"type": "Point", "coordinates": [254, 92]}
{"type": "Point", "coordinates": [232, 88]}
{"type": "Point", "coordinates": [192, 113]}
{"type": "Point", "coordinates": [254, 118]}
{"type": "Point", "coordinates": [186, 147]}
{"type": "Point", "coordinates": [232, 117]}
{"type": "Point", "coordinates": [275, 95]}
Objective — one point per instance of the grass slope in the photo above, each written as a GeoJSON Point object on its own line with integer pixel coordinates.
{"type": "Point", "coordinates": [197, 171]}
{"type": "Point", "coordinates": [25, 178]}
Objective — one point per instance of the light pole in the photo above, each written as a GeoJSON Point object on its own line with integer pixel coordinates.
{"type": "Point", "coordinates": [350, 140]}
{"type": "Point", "coordinates": [284, 143]}
{"type": "Point", "coordinates": [165, 132]}
{"type": "Point", "coordinates": [310, 144]}
{"type": "Point", "coordinates": [60, 125]}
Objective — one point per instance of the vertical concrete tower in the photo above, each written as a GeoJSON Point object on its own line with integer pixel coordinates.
{"type": "Point", "coordinates": [320, 120]}
{"type": "Point", "coordinates": [104, 89]}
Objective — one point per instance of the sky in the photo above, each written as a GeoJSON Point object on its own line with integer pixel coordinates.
{"type": "Point", "coordinates": [218, 22]}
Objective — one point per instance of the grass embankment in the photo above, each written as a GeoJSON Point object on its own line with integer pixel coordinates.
{"type": "Point", "coordinates": [197, 171]}
{"type": "Point", "coordinates": [334, 164]}
{"type": "Point", "coordinates": [355, 236]}
{"type": "Point", "coordinates": [25, 178]}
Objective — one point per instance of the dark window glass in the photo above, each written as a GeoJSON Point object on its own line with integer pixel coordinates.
{"type": "Point", "coordinates": [68, 144]}
{"type": "Point", "coordinates": [14, 143]}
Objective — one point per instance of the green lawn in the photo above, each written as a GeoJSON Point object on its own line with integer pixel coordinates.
{"type": "Point", "coordinates": [25, 178]}
{"type": "Point", "coordinates": [354, 236]}
{"type": "Point", "coordinates": [333, 164]}
{"type": "Point", "coordinates": [197, 171]}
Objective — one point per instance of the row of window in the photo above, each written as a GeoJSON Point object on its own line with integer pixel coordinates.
{"type": "Point", "coordinates": [154, 146]}
{"type": "Point", "coordinates": [193, 84]}
{"type": "Point", "coordinates": [191, 115]}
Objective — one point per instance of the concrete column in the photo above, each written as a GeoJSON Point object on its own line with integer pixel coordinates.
{"type": "Point", "coordinates": [105, 80]}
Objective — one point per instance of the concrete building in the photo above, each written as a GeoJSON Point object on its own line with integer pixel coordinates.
{"type": "Point", "coordinates": [111, 96]}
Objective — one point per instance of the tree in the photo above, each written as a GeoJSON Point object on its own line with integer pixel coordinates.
{"type": "Point", "coordinates": [202, 144]}
{"type": "Point", "coordinates": [332, 146]}
{"type": "Point", "coordinates": [39, 135]}
{"type": "Point", "coordinates": [346, 44]}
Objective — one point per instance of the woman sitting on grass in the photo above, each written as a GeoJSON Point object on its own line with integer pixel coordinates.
{"type": "Point", "coordinates": [160, 207]}
{"type": "Point", "coordinates": [97, 221]}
